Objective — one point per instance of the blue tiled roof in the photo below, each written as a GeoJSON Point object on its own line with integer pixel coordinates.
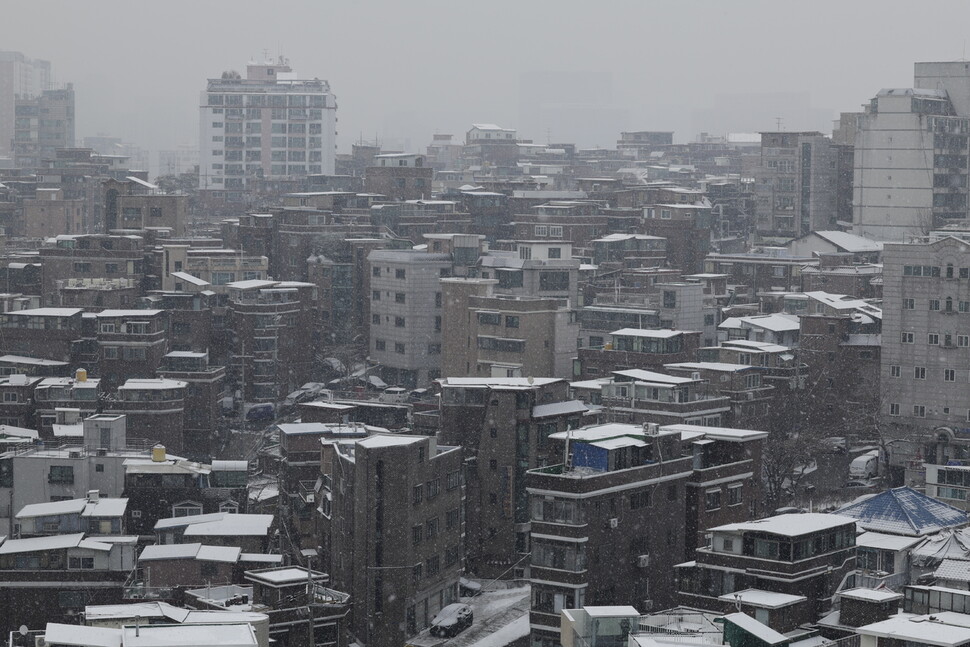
{"type": "Point", "coordinates": [904, 511]}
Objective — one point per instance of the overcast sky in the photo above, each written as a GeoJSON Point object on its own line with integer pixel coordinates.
{"type": "Point", "coordinates": [403, 70]}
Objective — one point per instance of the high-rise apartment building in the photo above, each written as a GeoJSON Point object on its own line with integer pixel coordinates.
{"type": "Point", "coordinates": [270, 124]}
{"type": "Point", "coordinates": [42, 125]}
{"type": "Point", "coordinates": [911, 153]}
{"type": "Point", "coordinates": [796, 180]}
{"type": "Point", "coordinates": [20, 77]}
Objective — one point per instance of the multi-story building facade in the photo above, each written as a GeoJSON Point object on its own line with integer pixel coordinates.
{"type": "Point", "coordinates": [926, 350]}
{"type": "Point", "coordinates": [154, 410]}
{"type": "Point", "coordinates": [491, 335]}
{"type": "Point", "coordinates": [134, 204]}
{"type": "Point", "coordinates": [503, 424]}
{"type": "Point", "coordinates": [396, 526]}
{"type": "Point", "coordinates": [795, 183]}
{"type": "Point", "coordinates": [596, 532]}
{"type": "Point", "coordinates": [910, 162]}
{"type": "Point", "coordinates": [90, 256]}
{"type": "Point", "coordinates": [399, 176]}
{"type": "Point", "coordinates": [406, 314]}
{"type": "Point", "coordinates": [20, 77]}
{"type": "Point", "coordinates": [43, 124]}
{"type": "Point", "coordinates": [205, 388]}
{"type": "Point", "coordinates": [271, 124]}
{"type": "Point", "coordinates": [132, 343]}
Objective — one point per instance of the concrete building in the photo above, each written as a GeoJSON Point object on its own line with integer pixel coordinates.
{"type": "Point", "coordinates": [154, 410]}
{"type": "Point", "coordinates": [90, 256]}
{"type": "Point", "coordinates": [43, 124]}
{"type": "Point", "coordinates": [135, 204]}
{"type": "Point", "coordinates": [489, 335]}
{"type": "Point", "coordinates": [596, 532]}
{"type": "Point", "coordinates": [396, 527]}
{"type": "Point", "coordinates": [271, 124]}
{"type": "Point", "coordinates": [795, 184]}
{"type": "Point", "coordinates": [503, 424]}
{"type": "Point", "coordinates": [49, 214]}
{"type": "Point", "coordinates": [926, 350]}
{"type": "Point", "coordinates": [406, 314]}
{"type": "Point", "coordinates": [23, 77]}
{"type": "Point", "coordinates": [399, 176]}
{"type": "Point", "coordinates": [910, 163]}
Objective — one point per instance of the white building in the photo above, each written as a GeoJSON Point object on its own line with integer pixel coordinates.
{"type": "Point", "coordinates": [271, 124]}
{"type": "Point", "coordinates": [489, 132]}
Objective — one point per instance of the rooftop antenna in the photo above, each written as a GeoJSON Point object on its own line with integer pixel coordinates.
{"type": "Point", "coordinates": [266, 55]}
{"type": "Point", "coordinates": [778, 122]}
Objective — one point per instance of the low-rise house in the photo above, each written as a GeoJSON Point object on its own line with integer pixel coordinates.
{"type": "Point", "coordinates": [171, 565]}
{"type": "Point", "coordinates": [94, 515]}
{"type": "Point", "coordinates": [251, 532]}
{"type": "Point", "coordinates": [638, 348]}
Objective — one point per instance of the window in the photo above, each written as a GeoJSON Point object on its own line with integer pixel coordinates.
{"type": "Point", "coordinates": [417, 532]}
{"type": "Point", "coordinates": [416, 571]}
{"type": "Point", "coordinates": [437, 299]}
{"type": "Point", "coordinates": [933, 339]}
{"type": "Point", "coordinates": [416, 493]}
{"type": "Point", "coordinates": [399, 348]}
{"type": "Point", "coordinates": [712, 499]}
{"type": "Point", "coordinates": [894, 370]}
{"type": "Point", "coordinates": [400, 273]}
{"type": "Point", "coordinates": [735, 495]}
{"type": "Point", "coordinates": [949, 375]}
{"type": "Point", "coordinates": [437, 323]}
{"type": "Point", "coordinates": [452, 517]}
{"type": "Point", "coordinates": [525, 253]}
{"type": "Point", "coordinates": [433, 487]}
{"type": "Point", "coordinates": [493, 465]}
{"type": "Point", "coordinates": [399, 322]}
{"type": "Point", "coordinates": [553, 281]}
{"type": "Point", "coordinates": [99, 467]}
{"type": "Point", "coordinates": [665, 214]}
{"type": "Point", "coordinates": [434, 349]}
{"type": "Point", "coordinates": [61, 475]}
{"type": "Point", "coordinates": [108, 328]}
{"type": "Point", "coordinates": [909, 304]}
{"type": "Point", "coordinates": [186, 509]}
{"type": "Point", "coordinates": [489, 318]}
{"type": "Point", "coordinates": [511, 322]}
{"type": "Point", "coordinates": [907, 338]}
{"type": "Point", "coordinates": [432, 566]}
{"type": "Point", "coordinates": [555, 231]}
{"type": "Point", "coordinates": [10, 396]}
{"type": "Point", "coordinates": [375, 320]}
{"type": "Point", "coordinates": [894, 409]}
{"type": "Point", "coordinates": [452, 480]}
{"type": "Point", "coordinates": [640, 500]}
{"type": "Point", "coordinates": [919, 411]}
{"type": "Point", "coordinates": [541, 230]}
{"type": "Point", "coordinates": [431, 528]}
{"type": "Point", "coordinates": [963, 341]}
{"type": "Point", "coordinates": [375, 271]}
{"type": "Point", "coordinates": [919, 372]}
{"type": "Point", "coordinates": [399, 297]}
{"type": "Point", "coordinates": [380, 344]}
{"type": "Point", "coordinates": [555, 252]}
{"type": "Point", "coordinates": [934, 304]}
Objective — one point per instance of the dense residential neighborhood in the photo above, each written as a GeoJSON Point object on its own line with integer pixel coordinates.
{"type": "Point", "coordinates": [485, 391]}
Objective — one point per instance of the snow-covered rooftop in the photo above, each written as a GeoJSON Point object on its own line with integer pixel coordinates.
{"type": "Point", "coordinates": [904, 511]}
{"type": "Point", "coordinates": [763, 599]}
{"type": "Point", "coordinates": [789, 525]}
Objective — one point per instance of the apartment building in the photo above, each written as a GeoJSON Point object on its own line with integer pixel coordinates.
{"type": "Point", "coordinates": [216, 267]}
{"type": "Point", "coordinates": [803, 555]}
{"type": "Point", "coordinates": [271, 124]}
{"type": "Point", "coordinates": [396, 543]}
{"type": "Point", "coordinates": [795, 184]}
{"type": "Point", "coordinates": [925, 346]}
{"type": "Point", "coordinates": [637, 348]}
{"type": "Point", "coordinates": [271, 326]}
{"type": "Point", "coordinates": [595, 536]}
{"type": "Point", "coordinates": [154, 409]}
{"type": "Point", "coordinates": [205, 387]}
{"type": "Point", "coordinates": [406, 314]}
{"type": "Point", "coordinates": [43, 333]}
{"type": "Point", "coordinates": [132, 344]}
{"type": "Point", "coordinates": [399, 176]}
{"type": "Point", "coordinates": [50, 214]}
{"type": "Point", "coordinates": [492, 335]}
{"type": "Point", "coordinates": [538, 268]}
{"type": "Point", "coordinates": [43, 124]}
{"type": "Point", "coordinates": [20, 76]}
{"type": "Point", "coordinates": [503, 424]}
{"type": "Point", "coordinates": [636, 396]}
{"type": "Point", "coordinates": [90, 256]}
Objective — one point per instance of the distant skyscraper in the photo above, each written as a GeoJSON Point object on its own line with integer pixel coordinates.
{"type": "Point", "coordinates": [270, 124]}
{"type": "Point", "coordinates": [43, 124]}
{"type": "Point", "coordinates": [20, 77]}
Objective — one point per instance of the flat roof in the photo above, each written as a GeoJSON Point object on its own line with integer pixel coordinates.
{"type": "Point", "coordinates": [642, 332]}
{"type": "Point", "coordinates": [763, 599]}
{"type": "Point", "coordinates": [789, 525]}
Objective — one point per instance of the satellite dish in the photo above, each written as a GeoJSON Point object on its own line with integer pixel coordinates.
{"type": "Point", "coordinates": [23, 630]}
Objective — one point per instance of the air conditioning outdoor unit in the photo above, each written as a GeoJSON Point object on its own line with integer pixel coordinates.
{"type": "Point", "coordinates": [646, 606]}
{"type": "Point", "coordinates": [614, 522]}
{"type": "Point", "coordinates": [643, 561]}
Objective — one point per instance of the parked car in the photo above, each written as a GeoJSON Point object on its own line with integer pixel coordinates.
{"type": "Point", "coordinates": [261, 413]}
{"type": "Point", "coordinates": [452, 620]}
{"type": "Point", "coordinates": [865, 466]}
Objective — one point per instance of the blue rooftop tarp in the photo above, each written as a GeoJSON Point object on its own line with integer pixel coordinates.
{"type": "Point", "coordinates": [904, 511]}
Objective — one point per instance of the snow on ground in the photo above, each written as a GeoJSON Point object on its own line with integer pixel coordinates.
{"type": "Point", "coordinates": [518, 628]}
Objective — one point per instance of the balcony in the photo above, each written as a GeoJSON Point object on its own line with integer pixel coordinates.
{"type": "Point", "coordinates": [307, 493]}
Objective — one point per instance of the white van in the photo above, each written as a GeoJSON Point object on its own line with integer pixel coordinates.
{"type": "Point", "coordinates": [865, 466]}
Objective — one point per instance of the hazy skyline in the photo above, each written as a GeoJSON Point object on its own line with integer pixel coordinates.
{"type": "Point", "coordinates": [405, 70]}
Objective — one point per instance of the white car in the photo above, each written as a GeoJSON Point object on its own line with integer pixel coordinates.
{"type": "Point", "coordinates": [451, 620]}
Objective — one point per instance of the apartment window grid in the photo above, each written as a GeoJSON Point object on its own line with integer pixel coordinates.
{"type": "Point", "coordinates": [949, 375]}
{"type": "Point", "coordinates": [919, 411]}
{"type": "Point", "coordinates": [894, 370]}
{"type": "Point", "coordinates": [919, 372]}
{"type": "Point", "coordinates": [933, 339]}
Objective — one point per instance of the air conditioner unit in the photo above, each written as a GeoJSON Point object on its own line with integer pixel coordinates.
{"type": "Point", "coordinates": [614, 522]}
{"type": "Point", "coordinates": [696, 375]}
{"type": "Point", "coordinates": [643, 561]}
{"type": "Point", "coordinates": [646, 606]}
